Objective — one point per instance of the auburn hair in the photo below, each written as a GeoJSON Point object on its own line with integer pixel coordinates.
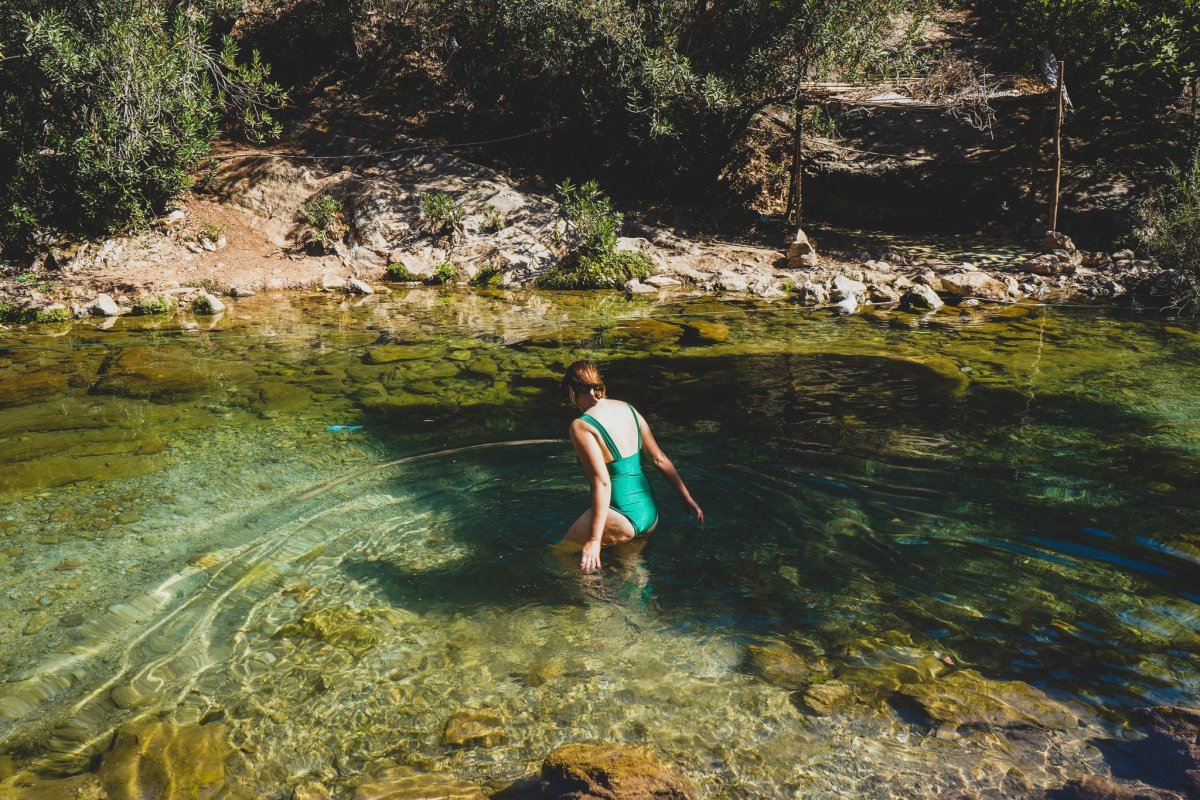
{"type": "Point", "coordinates": [584, 376]}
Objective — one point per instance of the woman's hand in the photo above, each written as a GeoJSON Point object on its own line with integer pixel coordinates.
{"type": "Point", "coordinates": [694, 507]}
{"type": "Point", "coordinates": [590, 562]}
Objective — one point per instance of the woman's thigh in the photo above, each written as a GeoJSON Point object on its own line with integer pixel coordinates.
{"type": "Point", "coordinates": [617, 529]}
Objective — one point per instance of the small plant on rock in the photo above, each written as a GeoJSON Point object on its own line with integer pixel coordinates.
{"type": "Point", "coordinates": [442, 212]}
{"type": "Point", "coordinates": [398, 272]}
{"type": "Point", "coordinates": [149, 305]}
{"type": "Point", "coordinates": [212, 231]}
{"type": "Point", "coordinates": [493, 218]}
{"type": "Point", "coordinates": [329, 225]}
{"type": "Point", "coordinates": [53, 315]}
{"type": "Point", "coordinates": [443, 273]}
{"type": "Point", "coordinates": [489, 276]}
{"type": "Point", "coordinates": [201, 305]}
{"type": "Point", "coordinates": [593, 262]}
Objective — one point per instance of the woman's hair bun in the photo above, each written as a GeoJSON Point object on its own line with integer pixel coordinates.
{"type": "Point", "coordinates": [583, 376]}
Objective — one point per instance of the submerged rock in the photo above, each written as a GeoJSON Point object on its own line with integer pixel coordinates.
{"type": "Point", "coordinates": [702, 332]}
{"type": "Point", "coordinates": [403, 783]}
{"type": "Point", "coordinates": [161, 760]}
{"type": "Point", "coordinates": [968, 699]}
{"type": "Point", "coordinates": [1171, 748]}
{"type": "Point", "coordinates": [1095, 787]}
{"type": "Point", "coordinates": [610, 772]}
{"type": "Point", "coordinates": [162, 374]}
{"type": "Point", "coordinates": [470, 728]}
{"type": "Point", "coordinates": [825, 698]}
{"type": "Point", "coordinates": [390, 353]}
{"type": "Point", "coordinates": [780, 665]}
{"type": "Point", "coordinates": [349, 629]}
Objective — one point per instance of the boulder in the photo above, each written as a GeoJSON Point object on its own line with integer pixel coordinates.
{"type": "Point", "coordinates": [842, 288]}
{"type": "Point", "coordinates": [780, 665]}
{"type": "Point", "coordinates": [610, 772]}
{"type": "Point", "coordinates": [634, 286]}
{"type": "Point", "coordinates": [967, 699]}
{"type": "Point", "coordinates": [825, 698]}
{"type": "Point", "coordinates": [846, 306]}
{"type": "Point", "coordinates": [662, 281]}
{"type": "Point", "coordinates": [1047, 264]}
{"type": "Point", "coordinates": [800, 252]}
{"type": "Point", "coordinates": [929, 278]}
{"type": "Point", "coordinates": [727, 281]}
{"type": "Point", "coordinates": [206, 303]}
{"type": "Point", "coordinates": [355, 286]}
{"type": "Point", "coordinates": [470, 728]}
{"type": "Point", "coordinates": [160, 759]}
{"type": "Point", "coordinates": [1055, 240]}
{"type": "Point", "coordinates": [881, 294]}
{"type": "Point", "coordinates": [812, 294]}
{"type": "Point", "coordinates": [103, 306]}
{"type": "Point", "coordinates": [921, 298]}
{"type": "Point", "coordinates": [1095, 787]}
{"type": "Point", "coordinates": [974, 284]}
{"type": "Point", "coordinates": [705, 332]}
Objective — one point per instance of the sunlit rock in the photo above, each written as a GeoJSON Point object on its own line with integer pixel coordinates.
{"type": "Point", "coordinates": [968, 699]}
{"type": "Point", "coordinates": [781, 666]}
{"type": "Point", "coordinates": [610, 772]}
{"type": "Point", "coordinates": [471, 728]}
{"type": "Point", "coordinates": [403, 783]}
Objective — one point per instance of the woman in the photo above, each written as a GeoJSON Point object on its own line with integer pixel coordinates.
{"type": "Point", "coordinates": [609, 439]}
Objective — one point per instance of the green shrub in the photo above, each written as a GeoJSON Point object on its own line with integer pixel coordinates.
{"type": "Point", "coordinates": [442, 212]}
{"type": "Point", "coordinates": [325, 216]}
{"type": "Point", "coordinates": [442, 273]}
{"type": "Point", "coordinates": [398, 272]}
{"type": "Point", "coordinates": [489, 276]}
{"type": "Point", "coordinates": [149, 305]}
{"type": "Point", "coordinates": [593, 261]}
{"type": "Point", "coordinates": [53, 315]}
{"type": "Point", "coordinates": [16, 315]}
{"type": "Point", "coordinates": [108, 105]}
{"type": "Point", "coordinates": [212, 231]}
{"type": "Point", "coordinates": [201, 305]}
{"type": "Point", "coordinates": [1169, 229]}
{"type": "Point", "coordinates": [493, 218]}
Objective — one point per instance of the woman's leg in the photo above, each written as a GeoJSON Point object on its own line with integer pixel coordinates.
{"type": "Point", "coordinates": [617, 529]}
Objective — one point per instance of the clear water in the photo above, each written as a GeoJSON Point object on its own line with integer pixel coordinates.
{"type": "Point", "coordinates": [184, 538]}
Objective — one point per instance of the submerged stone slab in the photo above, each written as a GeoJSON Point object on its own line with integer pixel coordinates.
{"type": "Point", "coordinates": [968, 699]}
{"type": "Point", "coordinates": [161, 760]}
{"type": "Point", "coordinates": [780, 665]}
{"type": "Point", "coordinates": [471, 728]}
{"type": "Point", "coordinates": [403, 783]}
{"type": "Point", "coordinates": [610, 772]}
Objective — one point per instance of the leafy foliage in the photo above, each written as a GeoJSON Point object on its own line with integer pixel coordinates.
{"type": "Point", "coordinates": [442, 212]}
{"type": "Point", "coordinates": [442, 273]}
{"type": "Point", "coordinates": [489, 276]}
{"type": "Point", "coordinates": [593, 261]}
{"type": "Point", "coordinates": [149, 305]}
{"type": "Point", "coordinates": [327, 220]}
{"type": "Point", "coordinates": [1169, 227]}
{"type": "Point", "coordinates": [398, 272]}
{"type": "Point", "coordinates": [106, 106]}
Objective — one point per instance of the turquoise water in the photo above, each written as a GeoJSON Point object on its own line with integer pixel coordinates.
{"type": "Point", "coordinates": [976, 531]}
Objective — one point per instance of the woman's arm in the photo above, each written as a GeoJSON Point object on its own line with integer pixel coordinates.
{"type": "Point", "coordinates": [667, 468]}
{"type": "Point", "coordinates": [587, 449]}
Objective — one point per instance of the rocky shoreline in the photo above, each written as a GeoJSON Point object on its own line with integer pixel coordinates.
{"type": "Point", "coordinates": [248, 235]}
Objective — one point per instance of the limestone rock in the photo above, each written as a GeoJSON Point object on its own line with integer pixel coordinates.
{"type": "Point", "coordinates": [403, 783]}
{"type": "Point", "coordinates": [800, 253]}
{"type": "Point", "coordinates": [846, 306]}
{"type": "Point", "coordinates": [705, 332]}
{"type": "Point", "coordinates": [662, 281]}
{"type": "Point", "coordinates": [727, 281]}
{"type": "Point", "coordinates": [610, 772]}
{"type": "Point", "coordinates": [921, 298]}
{"type": "Point", "coordinates": [812, 294]}
{"type": "Point", "coordinates": [103, 306]}
{"type": "Point", "coordinates": [161, 760]}
{"type": "Point", "coordinates": [843, 288]}
{"type": "Point", "coordinates": [163, 374]}
{"type": "Point", "coordinates": [355, 286]}
{"type": "Point", "coordinates": [882, 294]}
{"type": "Point", "coordinates": [469, 728]}
{"type": "Point", "coordinates": [968, 699]}
{"type": "Point", "coordinates": [634, 287]}
{"type": "Point", "coordinates": [974, 284]}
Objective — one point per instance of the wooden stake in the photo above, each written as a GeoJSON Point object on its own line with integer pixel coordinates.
{"type": "Point", "coordinates": [795, 209]}
{"type": "Point", "coordinates": [1054, 200]}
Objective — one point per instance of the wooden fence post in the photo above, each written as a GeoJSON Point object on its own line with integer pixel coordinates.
{"type": "Point", "coordinates": [1054, 199]}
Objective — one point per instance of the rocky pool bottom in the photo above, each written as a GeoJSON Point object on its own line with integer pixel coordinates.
{"type": "Point", "coordinates": [300, 552]}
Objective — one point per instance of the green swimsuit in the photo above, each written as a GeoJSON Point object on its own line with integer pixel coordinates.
{"type": "Point", "coordinates": [632, 495]}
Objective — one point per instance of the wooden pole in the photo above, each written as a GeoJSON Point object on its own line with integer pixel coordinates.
{"type": "Point", "coordinates": [1054, 200]}
{"type": "Point", "coordinates": [1035, 172]}
{"type": "Point", "coordinates": [795, 209]}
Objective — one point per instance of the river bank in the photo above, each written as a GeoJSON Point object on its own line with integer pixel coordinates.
{"type": "Point", "coordinates": [247, 232]}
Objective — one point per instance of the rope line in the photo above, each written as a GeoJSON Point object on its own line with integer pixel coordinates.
{"type": "Point", "coordinates": [381, 153]}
